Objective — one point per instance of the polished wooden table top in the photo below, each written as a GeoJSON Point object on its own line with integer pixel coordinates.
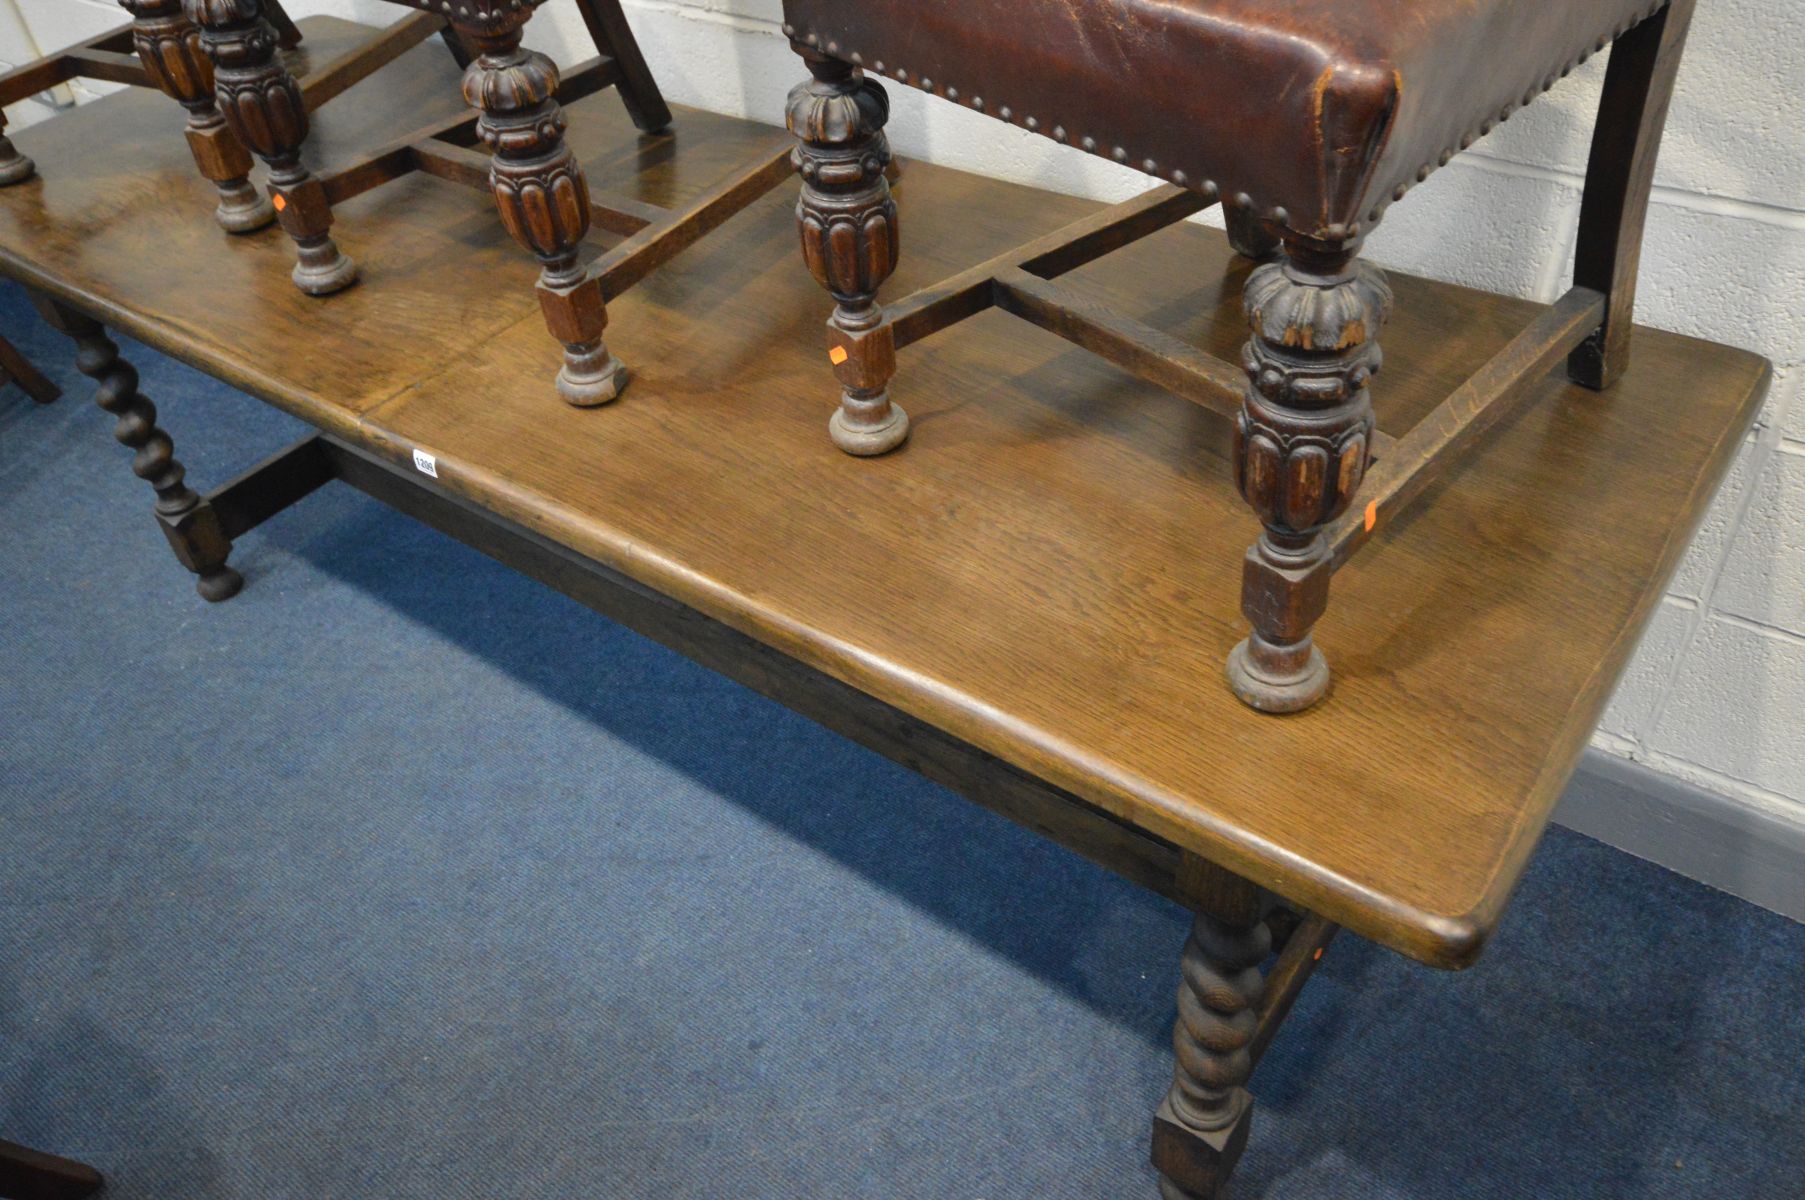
{"type": "Point", "coordinates": [1049, 569]}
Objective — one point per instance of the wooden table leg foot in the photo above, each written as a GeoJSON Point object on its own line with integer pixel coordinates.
{"type": "Point", "coordinates": [219, 584]}
{"type": "Point", "coordinates": [27, 1174]}
{"type": "Point", "coordinates": [868, 428]}
{"type": "Point", "coordinates": [1196, 1164]}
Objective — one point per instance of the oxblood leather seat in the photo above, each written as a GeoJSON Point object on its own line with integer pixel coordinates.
{"type": "Point", "coordinates": [1319, 111]}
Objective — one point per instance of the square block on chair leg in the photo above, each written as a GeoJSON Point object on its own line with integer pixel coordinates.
{"type": "Point", "coordinates": [1284, 603]}
{"type": "Point", "coordinates": [863, 360]}
{"type": "Point", "coordinates": [576, 314]}
{"type": "Point", "coordinates": [302, 207]}
{"type": "Point", "coordinates": [217, 154]}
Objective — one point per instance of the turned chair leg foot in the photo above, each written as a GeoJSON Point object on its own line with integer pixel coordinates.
{"type": "Point", "coordinates": [169, 48]}
{"type": "Point", "coordinates": [14, 167]}
{"type": "Point", "coordinates": [243, 209]}
{"type": "Point", "coordinates": [321, 268]}
{"type": "Point", "coordinates": [1277, 679]}
{"type": "Point", "coordinates": [591, 376]}
{"type": "Point", "coordinates": [542, 197]}
{"type": "Point", "coordinates": [868, 428]}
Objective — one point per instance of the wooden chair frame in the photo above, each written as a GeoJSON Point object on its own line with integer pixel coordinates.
{"type": "Point", "coordinates": [162, 49]}
{"type": "Point", "coordinates": [848, 232]}
{"type": "Point", "coordinates": [539, 187]}
{"type": "Point", "coordinates": [537, 183]}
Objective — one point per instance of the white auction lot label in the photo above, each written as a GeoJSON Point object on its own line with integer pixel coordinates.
{"type": "Point", "coordinates": [426, 464]}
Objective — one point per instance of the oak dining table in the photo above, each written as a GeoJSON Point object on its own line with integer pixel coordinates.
{"type": "Point", "coordinates": [1029, 603]}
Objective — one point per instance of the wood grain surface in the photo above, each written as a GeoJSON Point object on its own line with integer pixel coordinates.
{"type": "Point", "coordinates": [1049, 570]}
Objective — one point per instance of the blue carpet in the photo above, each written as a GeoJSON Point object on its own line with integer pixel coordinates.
{"type": "Point", "coordinates": [402, 876]}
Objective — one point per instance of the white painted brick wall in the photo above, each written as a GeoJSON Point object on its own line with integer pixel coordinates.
{"type": "Point", "coordinates": [29, 28]}
{"type": "Point", "coordinates": [1717, 690]}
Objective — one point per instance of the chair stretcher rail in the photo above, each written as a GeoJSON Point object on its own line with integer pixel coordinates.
{"type": "Point", "coordinates": [1495, 390]}
{"type": "Point", "coordinates": [1020, 281]}
{"type": "Point", "coordinates": [655, 245]}
{"type": "Point", "coordinates": [1138, 348]}
{"type": "Point", "coordinates": [971, 292]}
{"type": "Point", "coordinates": [103, 57]}
{"type": "Point", "coordinates": [360, 62]}
{"type": "Point", "coordinates": [442, 149]}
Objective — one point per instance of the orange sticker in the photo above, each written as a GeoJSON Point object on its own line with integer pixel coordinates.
{"type": "Point", "coordinates": [1372, 515]}
{"type": "Point", "coordinates": [1319, 954]}
{"type": "Point", "coordinates": [279, 200]}
{"type": "Point", "coordinates": [837, 355]}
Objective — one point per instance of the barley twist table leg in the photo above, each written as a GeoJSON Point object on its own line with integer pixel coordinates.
{"type": "Point", "coordinates": [188, 521]}
{"type": "Point", "coordinates": [1202, 1127]}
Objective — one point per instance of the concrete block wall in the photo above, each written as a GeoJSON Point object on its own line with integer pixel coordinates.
{"type": "Point", "coordinates": [32, 28]}
{"type": "Point", "coordinates": [1717, 690]}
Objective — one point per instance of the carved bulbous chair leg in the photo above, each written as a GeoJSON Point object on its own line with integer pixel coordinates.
{"type": "Point", "coordinates": [14, 167]}
{"type": "Point", "coordinates": [188, 521]}
{"type": "Point", "coordinates": [170, 48]}
{"type": "Point", "coordinates": [850, 240]}
{"type": "Point", "coordinates": [262, 105]}
{"type": "Point", "coordinates": [1301, 450]}
{"type": "Point", "coordinates": [543, 199]}
{"type": "Point", "coordinates": [1203, 1125]}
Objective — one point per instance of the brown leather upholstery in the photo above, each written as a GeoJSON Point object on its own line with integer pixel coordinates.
{"type": "Point", "coordinates": [1325, 109]}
